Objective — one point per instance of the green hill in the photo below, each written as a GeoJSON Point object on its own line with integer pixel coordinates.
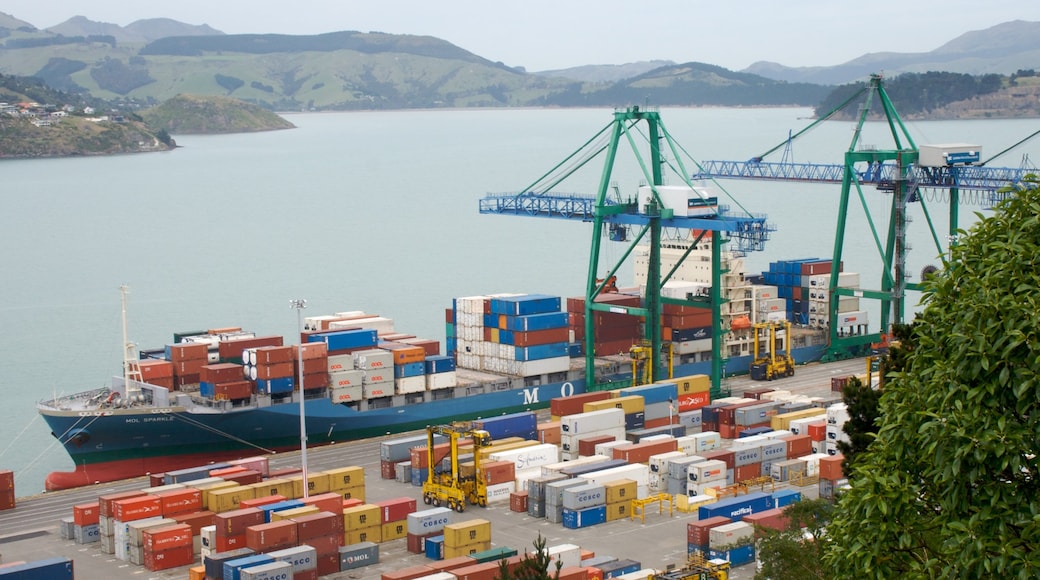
{"type": "Point", "coordinates": [185, 114]}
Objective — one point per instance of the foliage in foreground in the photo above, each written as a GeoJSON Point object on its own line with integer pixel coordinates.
{"type": "Point", "coordinates": [796, 553]}
{"type": "Point", "coordinates": [534, 566]}
{"type": "Point", "coordinates": [950, 488]}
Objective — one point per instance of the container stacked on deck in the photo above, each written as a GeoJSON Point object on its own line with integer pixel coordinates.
{"type": "Point", "coordinates": [224, 382]}
{"type": "Point", "coordinates": [271, 368]}
{"type": "Point", "coordinates": [615, 331]}
{"type": "Point", "coordinates": [688, 328]}
{"type": "Point", "coordinates": [157, 372]}
{"type": "Point", "coordinates": [187, 358]}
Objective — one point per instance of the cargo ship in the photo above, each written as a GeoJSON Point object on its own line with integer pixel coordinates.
{"type": "Point", "coordinates": [226, 393]}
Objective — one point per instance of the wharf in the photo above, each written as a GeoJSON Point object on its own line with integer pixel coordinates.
{"type": "Point", "coordinates": [31, 530]}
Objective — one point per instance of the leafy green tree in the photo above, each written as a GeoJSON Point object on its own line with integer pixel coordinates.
{"type": "Point", "coordinates": [862, 403]}
{"type": "Point", "coordinates": [534, 566]}
{"type": "Point", "coordinates": [950, 487]}
{"type": "Point", "coordinates": [796, 553]}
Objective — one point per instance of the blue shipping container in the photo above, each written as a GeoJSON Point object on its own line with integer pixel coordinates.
{"type": "Point", "coordinates": [233, 568]}
{"type": "Point", "coordinates": [434, 547]}
{"type": "Point", "coordinates": [737, 556]}
{"type": "Point", "coordinates": [523, 424]}
{"type": "Point", "coordinates": [619, 567]}
{"type": "Point", "coordinates": [344, 339]}
{"type": "Point", "coordinates": [735, 508]}
{"type": "Point", "coordinates": [525, 304]}
{"type": "Point", "coordinates": [215, 562]}
{"type": "Point", "coordinates": [635, 421]}
{"type": "Point", "coordinates": [786, 497]}
{"type": "Point", "coordinates": [637, 435]}
{"type": "Point", "coordinates": [46, 569]}
{"type": "Point", "coordinates": [688, 334]}
{"type": "Point", "coordinates": [419, 475]}
{"type": "Point", "coordinates": [534, 322]}
{"type": "Point", "coordinates": [279, 506]}
{"type": "Point", "coordinates": [191, 473]}
{"type": "Point", "coordinates": [575, 349]}
{"type": "Point", "coordinates": [416, 369]}
{"type": "Point", "coordinates": [754, 431]}
{"type": "Point", "coordinates": [541, 351]}
{"type": "Point", "coordinates": [592, 467]}
{"type": "Point", "coordinates": [277, 386]}
{"type": "Point", "coordinates": [574, 519]}
{"type": "Point", "coordinates": [655, 393]}
{"type": "Point", "coordinates": [207, 389]}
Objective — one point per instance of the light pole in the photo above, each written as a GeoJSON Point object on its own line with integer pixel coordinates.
{"type": "Point", "coordinates": [299, 305]}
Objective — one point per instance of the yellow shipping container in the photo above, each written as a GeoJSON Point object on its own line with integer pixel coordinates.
{"type": "Point", "coordinates": [394, 530]}
{"type": "Point", "coordinates": [369, 534]}
{"type": "Point", "coordinates": [456, 551]}
{"type": "Point", "coordinates": [294, 512]}
{"type": "Point", "coordinates": [205, 489]}
{"type": "Point", "coordinates": [630, 404]}
{"type": "Point", "coordinates": [345, 477]}
{"type": "Point", "coordinates": [683, 503]}
{"type": "Point", "coordinates": [692, 384]}
{"type": "Point", "coordinates": [467, 533]}
{"type": "Point", "coordinates": [318, 483]}
{"type": "Point", "coordinates": [352, 492]}
{"type": "Point", "coordinates": [197, 573]}
{"type": "Point", "coordinates": [783, 422]}
{"type": "Point", "coordinates": [620, 490]}
{"type": "Point", "coordinates": [360, 517]}
{"type": "Point", "coordinates": [277, 486]}
{"type": "Point", "coordinates": [228, 498]}
{"type": "Point", "coordinates": [618, 511]}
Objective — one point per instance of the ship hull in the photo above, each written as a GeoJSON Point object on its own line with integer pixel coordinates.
{"type": "Point", "coordinates": [117, 444]}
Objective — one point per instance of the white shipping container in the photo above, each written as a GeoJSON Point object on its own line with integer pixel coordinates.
{"type": "Point", "coordinates": [429, 520]}
{"type": "Point", "coordinates": [856, 318]}
{"type": "Point", "coordinates": [737, 533]}
{"type": "Point", "coordinates": [592, 422]}
{"type": "Point", "coordinates": [499, 492]}
{"type": "Point", "coordinates": [347, 378]}
{"type": "Point", "coordinates": [835, 433]}
{"type": "Point", "coordinates": [837, 413]}
{"type": "Point", "coordinates": [269, 571]}
{"type": "Point", "coordinates": [745, 442]}
{"type": "Point", "coordinates": [528, 457]}
{"type": "Point", "coordinates": [812, 464]}
{"type": "Point", "coordinates": [209, 536]}
{"type": "Point", "coordinates": [341, 362]}
{"type": "Point", "coordinates": [847, 304]}
{"type": "Point", "coordinates": [409, 385]}
{"type": "Point", "coordinates": [699, 489]}
{"type": "Point", "coordinates": [777, 395]}
{"type": "Point", "coordinates": [658, 482]}
{"type": "Point", "coordinates": [607, 448]}
{"type": "Point", "coordinates": [636, 471]}
{"type": "Point", "coordinates": [375, 390]}
{"type": "Point", "coordinates": [762, 292]}
{"type": "Point", "coordinates": [568, 554]}
{"type": "Point", "coordinates": [659, 462]}
{"type": "Point", "coordinates": [706, 441]}
{"type": "Point", "coordinates": [801, 426]}
{"type": "Point", "coordinates": [777, 434]}
{"type": "Point", "coordinates": [523, 476]}
{"type": "Point", "coordinates": [374, 359]}
{"type": "Point", "coordinates": [438, 381]}
{"type": "Point", "coordinates": [346, 394]}
{"type": "Point", "coordinates": [692, 346]}
{"type": "Point", "coordinates": [706, 471]}
{"type": "Point", "coordinates": [380, 324]}
{"type": "Point", "coordinates": [543, 366]}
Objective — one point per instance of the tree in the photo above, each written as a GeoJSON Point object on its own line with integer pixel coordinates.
{"type": "Point", "coordinates": [950, 487]}
{"type": "Point", "coordinates": [795, 553]}
{"type": "Point", "coordinates": [534, 566]}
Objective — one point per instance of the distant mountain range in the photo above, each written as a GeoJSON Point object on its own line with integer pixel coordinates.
{"type": "Point", "coordinates": [152, 60]}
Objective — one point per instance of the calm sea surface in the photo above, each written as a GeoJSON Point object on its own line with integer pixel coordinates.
{"type": "Point", "coordinates": [357, 211]}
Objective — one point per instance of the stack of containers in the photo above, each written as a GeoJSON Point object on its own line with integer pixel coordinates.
{"type": "Point", "coordinates": [837, 415]}
{"type": "Point", "coordinates": [641, 452]}
{"type": "Point", "coordinates": [362, 523]}
{"type": "Point", "coordinates": [819, 297]}
{"type": "Point", "coordinates": [733, 542]}
{"type": "Point", "coordinates": [704, 475]}
{"type": "Point", "coordinates": [735, 508]}
{"type": "Point", "coordinates": [634, 407]}
{"type": "Point", "coordinates": [754, 417]}
{"type": "Point", "coordinates": [440, 372]}
{"type": "Point", "coordinates": [698, 533]}
{"type": "Point", "coordinates": [694, 392]}
{"type": "Point", "coordinates": [409, 364]}
{"type": "Point", "coordinates": [224, 382]}
{"type": "Point", "coordinates": [393, 518]}
{"type": "Point", "coordinates": [377, 368]}
{"type": "Point", "coordinates": [747, 458]}
{"type": "Point", "coordinates": [167, 547]}
{"type": "Point", "coordinates": [791, 278]}
{"type": "Point", "coordinates": [727, 417]}
{"type": "Point", "coordinates": [425, 524]}
{"type": "Point", "coordinates": [554, 498]}
{"type": "Point", "coordinates": [130, 537]}
{"type": "Point", "coordinates": [345, 381]}
{"type": "Point", "coordinates": [677, 476]}
{"type": "Point", "coordinates": [270, 367]}
{"type": "Point", "coordinates": [620, 494]}
{"type": "Point", "coordinates": [323, 531]}
{"type": "Point", "coordinates": [688, 327]}
{"type": "Point", "coordinates": [769, 306]}
{"type": "Point", "coordinates": [537, 492]}
{"type": "Point", "coordinates": [832, 478]}
{"type": "Point", "coordinates": [605, 423]}
{"type": "Point", "coordinates": [659, 470]}
{"type": "Point", "coordinates": [526, 461]}
{"type": "Point", "coordinates": [419, 458]}
{"type": "Point", "coordinates": [615, 332]}
{"type": "Point", "coordinates": [314, 356]}
{"type": "Point", "coordinates": [801, 426]}
{"type": "Point", "coordinates": [659, 402]}
{"type": "Point", "coordinates": [636, 472]}
{"type": "Point", "coordinates": [233, 349]}
{"type": "Point", "coordinates": [584, 505]}
{"type": "Point", "coordinates": [188, 358]}
{"type": "Point", "coordinates": [803, 417]}
{"type": "Point", "coordinates": [157, 372]}
{"type": "Point", "coordinates": [468, 537]}
{"type": "Point", "coordinates": [86, 518]}
{"type": "Point", "coordinates": [710, 412]}
{"type": "Point", "coordinates": [465, 330]}
{"type": "Point", "coordinates": [106, 518]}
{"type": "Point", "coordinates": [394, 451]}
{"type": "Point", "coordinates": [231, 527]}
{"type": "Point", "coordinates": [773, 450]}
{"type": "Point", "coordinates": [129, 510]}
{"type": "Point", "coordinates": [525, 335]}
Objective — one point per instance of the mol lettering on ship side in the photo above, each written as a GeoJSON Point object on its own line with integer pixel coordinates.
{"type": "Point", "coordinates": [531, 395]}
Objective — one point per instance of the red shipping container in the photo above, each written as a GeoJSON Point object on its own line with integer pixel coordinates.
{"type": "Point", "coordinates": [387, 470]}
{"type": "Point", "coordinates": [573, 573]}
{"type": "Point", "coordinates": [518, 502]}
{"type": "Point", "coordinates": [798, 445]}
{"type": "Point", "coordinates": [257, 463]}
{"type": "Point", "coordinates": [594, 573]}
{"type": "Point", "coordinates": [274, 370]}
{"type": "Point", "coordinates": [233, 391]}
{"type": "Point", "coordinates": [317, 525]}
{"type": "Point", "coordinates": [587, 445]}
{"type": "Point", "coordinates": [549, 432]}
{"type": "Point", "coordinates": [727, 414]}
{"type": "Point", "coordinates": [184, 351]}
{"type": "Point", "coordinates": [228, 349]}
{"type": "Point", "coordinates": [180, 501]}
{"type": "Point", "coordinates": [747, 472]}
{"type": "Point", "coordinates": [641, 452]}
{"type": "Point", "coordinates": [166, 559]}
{"type": "Point", "coordinates": [449, 564]}
{"type": "Point", "coordinates": [137, 508]}
{"type": "Point", "coordinates": [396, 509]}
{"type": "Point", "coordinates": [537, 337]}
{"type": "Point", "coordinates": [485, 571]}
{"type": "Point", "coordinates": [311, 574]}
{"type": "Point", "coordinates": [496, 472]}
{"type": "Point", "coordinates": [265, 537]}
{"type": "Point", "coordinates": [697, 533]}
{"type": "Point", "coordinates": [313, 365]}
{"type": "Point", "coordinates": [226, 471]}
{"type": "Point", "coordinates": [166, 537]}
{"type": "Point", "coordinates": [156, 479]}
{"type": "Point", "coordinates": [85, 514]}
{"type": "Point", "coordinates": [661, 422]}
{"type": "Point", "coordinates": [189, 367]}
{"type": "Point", "coordinates": [416, 543]}
{"type": "Point", "coordinates": [7, 499]}
{"type": "Point", "coordinates": [817, 431]}
{"type": "Point", "coordinates": [324, 545]}
{"type": "Point", "coordinates": [311, 350]}
{"type": "Point", "coordinates": [155, 369]}
{"type": "Point", "coordinates": [727, 431]}
{"type": "Point", "coordinates": [235, 522]}
{"type": "Point", "coordinates": [560, 406]}
{"type": "Point", "coordinates": [830, 467]}
{"type": "Point", "coordinates": [328, 564]}
{"type": "Point", "coordinates": [326, 502]}
{"type": "Point", "coordinates": [693, 401]}
{"type": "Point", "coordinates": [757, 393]}
{"type": "Point", "coordinates": [273, 354]}
{"type": "Point", "coordinates": [221, 373]}
{"type": "Point", "coordinates": [245, 477]}
{"type": "Point", "coordinates": [105, 502]}
{"type": "Point", "coordinates": [196, 520]}
{"type": "Point", "coordinates": [351, 502]}
{"type": "Point", "coordinates": [430, 347]}
{"type": "Point", "coordinates": [230, 542]}
{"type": "Point", "coordinates": [180, 381]}
{"type": "Point", "coordinates": [773, 519]}
{"type": "Point", "coordinates": [719, 454]}
{"type": "Point", "coordinates": [315, 380]}
{"type": "Point", "coordinates": [267, 499]}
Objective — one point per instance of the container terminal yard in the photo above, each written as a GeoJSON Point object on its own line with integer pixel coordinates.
{"type": "Point", "coordinates": [31, 531]}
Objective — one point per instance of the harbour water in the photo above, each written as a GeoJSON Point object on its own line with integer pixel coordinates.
{"type": "Point", "coordinates": [357, 211]}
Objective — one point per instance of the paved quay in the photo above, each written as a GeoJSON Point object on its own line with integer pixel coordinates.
{"type": "Point", "coordinates": [31, 530]}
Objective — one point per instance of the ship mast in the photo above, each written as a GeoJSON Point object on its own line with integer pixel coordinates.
{"type": "Point", "coordinates": [131, 369]}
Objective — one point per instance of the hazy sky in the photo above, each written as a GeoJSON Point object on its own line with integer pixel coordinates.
{"type": "Point", "coordinates": [552, 34]}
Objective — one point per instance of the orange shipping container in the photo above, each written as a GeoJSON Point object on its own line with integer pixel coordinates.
{"type": "Point", "coordinates": [189, 367]}
{"type": "Point", "coordinates": [405, 353]}
{"type": "Point", "coordinates": [549, 432]}
{"type": "Point", "coordinates": [311, 350]}
{"type": "Point", "coordinates": [221, 373]}
{"type": "Point", "coordinates": [137, 508]}
{"type": "Point", "coordinates": [264, 537]}
{"type": "Point", "coordinates": [641, 452]}
{"type": "Point", "coordinates": [107, 501]}
{"type": "Point", "coordinates": [86, 514]}
{"type": "Point", "coordinates": [166, 537]}
{"type": "Point", "coordinates": [830, 467]}
{"type": "Point", "coordinates": [155, 369]}
{"type": "Point", "coordinates": [274, 370]}
{"type": "Point", "coordinates": [817, 431]}
{"type": "Point", "coordinates": [232, 349]}
{"type": "Point", "coordinates": [693, 401]}
{"type": "Point", "coordinates": [274, 354]}
{"type": "Point", "coordinates": [407, 573]}
{"type": "Point", "coordinates": [185, 351]}
{"type": "Point", "coordinates": [179, 501]}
